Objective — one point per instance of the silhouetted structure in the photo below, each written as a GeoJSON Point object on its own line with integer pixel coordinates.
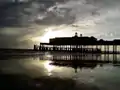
{"type": "Point", "coordinates": [79, 44]}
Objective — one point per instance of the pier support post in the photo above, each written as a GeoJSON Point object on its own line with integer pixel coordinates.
{"type": "Point", "coordinates": [113, 49]}
{"type": "Point", "coordinates": [116, 48]}
{"type": "Point", "coordinates": [40, 47]}
{"type": "Point", "coordinates": [53, 47]}
{"type": "Point", "coordinates": [105, 49]}
{"type": "Point", "coordinates": [108, 49]}
{"type": "Point", "coordinates": [101, 47]}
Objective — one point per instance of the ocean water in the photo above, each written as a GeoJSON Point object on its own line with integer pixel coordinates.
{"type": "Point", "coordinates": [60, 71]}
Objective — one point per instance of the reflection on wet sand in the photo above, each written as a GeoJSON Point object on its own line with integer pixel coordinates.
{"type": "Point", "coordinates": [78, 60]}
{"type": "Point", "coordinates": [56, 71]}
{"type": "Point", "coordinates": [29, 64]}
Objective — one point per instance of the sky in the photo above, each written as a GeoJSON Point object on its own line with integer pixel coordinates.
{"type": "Point", "coordinates": [24, 23]}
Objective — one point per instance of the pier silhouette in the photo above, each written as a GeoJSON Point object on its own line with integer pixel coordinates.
{"type": "Point", "coordinates": [83, 44]}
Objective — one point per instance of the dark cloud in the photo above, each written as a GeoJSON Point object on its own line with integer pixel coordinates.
{"type": "Point", "coordinates": [23, 14]}
{"type": "Point", "coordinates": [11, 14]}
{"type": "Point", "coordinates": [92, 16]}
{"type": "Point", "coordinates": [57, 18]}
{"type": "Point", "coordinates": [37, 11]}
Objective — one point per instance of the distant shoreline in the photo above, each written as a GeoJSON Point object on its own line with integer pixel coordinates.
{"type": "Point", "coordinates": [8, 51]}
{"type": "Point", "coordinates": [15, 49]}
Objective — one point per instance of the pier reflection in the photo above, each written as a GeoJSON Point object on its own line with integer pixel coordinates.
{"type": "Point", "coordinates": [78, 60]}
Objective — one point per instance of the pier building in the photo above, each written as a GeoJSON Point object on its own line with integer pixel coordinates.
{"type": "Point", "coordinates": [83, 44]}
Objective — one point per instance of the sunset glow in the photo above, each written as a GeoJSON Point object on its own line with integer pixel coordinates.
{"type": "Point", "coordinates": [49, 67]}
{"type": "Point", "coordinates": [52, 34]}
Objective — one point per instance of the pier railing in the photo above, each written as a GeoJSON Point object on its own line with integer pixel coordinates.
{"type": "Point", "coordinates": [81, 48]}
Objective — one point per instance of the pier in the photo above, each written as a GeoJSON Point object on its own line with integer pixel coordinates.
{"type": "Point", "coordinates": [83, 44]}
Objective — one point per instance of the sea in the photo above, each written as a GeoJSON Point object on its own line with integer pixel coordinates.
{"type": "Point", "coordinates": [60, 71]}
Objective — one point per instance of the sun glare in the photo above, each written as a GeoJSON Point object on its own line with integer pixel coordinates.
{"type": "Point", "coordinates": [49, 34]}
{"type": "Point", "coordinates": [45, 37]}
{"type": "Point", "coordinates": [53, 32]}
{"type": "Point", "coordinates": [48, 67]}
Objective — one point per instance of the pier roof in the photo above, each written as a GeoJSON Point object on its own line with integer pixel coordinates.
{"type": "Point", "coordinates": [72, 40]}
